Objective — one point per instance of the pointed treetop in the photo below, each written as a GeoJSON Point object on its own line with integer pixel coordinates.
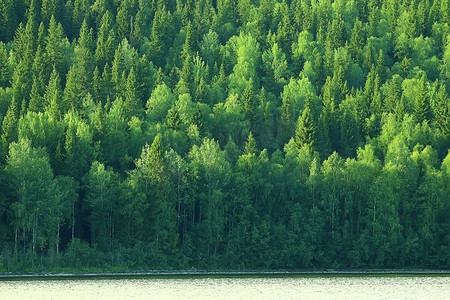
{"type": "Point", "coordinates": [250, 146]}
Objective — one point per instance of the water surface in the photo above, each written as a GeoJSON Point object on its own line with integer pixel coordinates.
{"type": "Point", "coordinates": [303, 287]}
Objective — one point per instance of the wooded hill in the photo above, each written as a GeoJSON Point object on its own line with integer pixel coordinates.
{"type": "Point", "coordinates": [226, 134]}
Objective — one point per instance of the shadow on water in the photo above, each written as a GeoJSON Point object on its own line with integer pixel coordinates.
{"type": "Point", "coordinates": [193, 274]}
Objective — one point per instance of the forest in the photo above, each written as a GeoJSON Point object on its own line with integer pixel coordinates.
{"type": "Point", "coordinates": [224, 134]}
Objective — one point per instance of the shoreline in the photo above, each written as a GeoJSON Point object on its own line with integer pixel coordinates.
{"type": "Point", "coordinates": [170, 274]}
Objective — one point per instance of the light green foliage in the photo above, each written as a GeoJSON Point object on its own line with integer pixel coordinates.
{"type": "Point", "coordinates": [229, 120]}
{"type": "Point", "coordinates": [276, 69]}
{"type": "Point", "coordinates": [247, 65]}
{"type": "Point", "coordinates": [212, 173]}
{"type": "Point", "coordinates": [293, 97]}
{"type": "Point", "coordinates": [5, 76]}
{"type": "Point", "coordinates": [101, 188]}
{"type": "Point", "coordinates": [34, 211]}
{"type": "Point", "coordinates": [159, 103]}
{"type": "Point", "coordinates": [209, 47]}
{"type": "Point", "coordinates": [446, 61]}
{"type": "Point", "coordinates": [55, 47]}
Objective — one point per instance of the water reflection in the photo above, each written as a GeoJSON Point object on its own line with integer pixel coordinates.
{"type": "Point", "coordinates": [233, 288]}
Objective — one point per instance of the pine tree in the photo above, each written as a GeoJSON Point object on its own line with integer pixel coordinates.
{"type": "Point", "coordinates": [39, 70]}
{"type": "Point", "coordinates": [81, 11]}
{"type": "Point", "coordinates": [9, 125]}
{"type": "Point", "coordinates": [356, 41]}
{"type": "Point", "coordinates": [173, 118]}
{"type": "Point", "coordinates": [188, 45]}
{"type": "Point", "coordinates": [160, 34]}
{"type": "Point", "coordinates": [422, 110]}
{"type": "Point", "coordinates": [5, 76]}
{"type": "Point", "coordinates": [143, 18]}
{"type": "Point", "coordinates": [51, 8]}
{"type": "Point", "coordinates": [97, 85]}
{"type": "Point", "coordinates": [249, 103]}
{"type": "Point", "coordinates": [36, 100]}
{"type": "Point", "coordinates": [132, 104]}
{"type": "Point", "coordinates": [305, 134]}
{"type": "Point", "coordinates": [250, 145]}
{"type": "Point", "coordinates": [53, 96]}
{"type": "Point", "coordinates": [184, 85]}
{"type": "Point", "coordinates": [41, 36]}
{"type": "Point", "coordinates": [22, 80]}
{"type": "Point", "coordinates": [54, 49]}
{"type": "Point", "coordinates": [78, 85]}
{"type": "Point", "coordinates": [400, 109]}
{"type": "Point", "coordinates": [124, 19]}
{"type": "Point", "coordinates": [106, 41]}
{"type": "Point", "coordinates": [86, 38]}
{"type": "Point", "coordinates": [8, 20]}
{"type": "Point", "coordinates": [107, 88]}
{"type": "Point", "coordinates": [442, 110]}
{"type": "Point", "coordinates": [381, 68]}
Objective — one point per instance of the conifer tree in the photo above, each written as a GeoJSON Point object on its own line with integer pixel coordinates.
{"type": "Point", "coordinates": [173, 118]}
{"type": "Point", "coordinates": [143, 17]}
{"type": "Point", "coordinates": [106, 41]}
{"type": "Point", "coordinates": [422, 110]}
{"type": "Point", "coordinates": [124, 19]}
{"type": "Point", "coordinates": [356, 41]}
{"type": "Point", "coordinates": [54, 49]}
{"type": "Point", "coordinates": [160, 34]}
{"type": "Point", "coordinates": [8, 20]}
{"type": "Point", "coordinates": [305, 133]}
{"type": "Point", "coordinates": [40, 70]}
{"type": "Point", "coordinates": [249, 104]}
{"type": "Point", "coordinates": [78, 85]}
{"type": "Point", "coordinates": [184, 85]}
{"type": "Point", "coordinates": [22, 80]}
{"type": "Point", "coordinates": [51, 8]}
{"type": "Point", "coordinates": [36, 100]}
{"type": "Point", "coordinates": [9, 125]}
{"type": "Point", "coordinates": [53, 96]}
{"type": "Point", "coordinates": [250, 145]}
{"type": "Point", "coordinates": [132, 104]}
{"type": "Point", "coordinates": [442, 110]}
{"type": "Point", "coordinates": [5, 76]}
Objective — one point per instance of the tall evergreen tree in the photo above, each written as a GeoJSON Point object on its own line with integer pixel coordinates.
{"type": "Point", "coordinates": [422, 109]}
{"type": "Point", "coordinates": [9, 125]}
{"type": "Point", "coordinates": [442, 110]}
{"type": "Point", "coordinates": [305, 134]}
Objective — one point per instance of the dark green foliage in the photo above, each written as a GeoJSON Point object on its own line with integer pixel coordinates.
{"type": "Point", "coordinates": [229, 134]}
{"type": "Point", "coordinates": [5, 76]}
{"type": "Point", "coordinates": [422, 109]}
{"type": "Point", "coordinates": [305, 134]}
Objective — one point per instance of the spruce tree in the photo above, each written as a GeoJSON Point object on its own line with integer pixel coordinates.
{"type": "Point", "coordinates": [422, 110]}
{"type": "Point", "coordinates": [53, 97]}
{"type": "Point", "coordinates": [442, 111]}
{"type": "Point", "coordinates": [305, 133]}
{"type": "Point", "coordinates": [132, 104]}
{"type": "Point", "coordinates": [9, 125]}
{"type": "Point", "coordinates": [36, 99]}
{"type": "Point", "coordinates": [5, 76]}
{"type": "Point", "coordinates": [54, 49]}
{"type": "Point", "coordinates": [250, 145]}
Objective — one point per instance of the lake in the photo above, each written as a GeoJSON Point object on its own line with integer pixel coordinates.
{"type": "Point", "coordinates": [295, 287]}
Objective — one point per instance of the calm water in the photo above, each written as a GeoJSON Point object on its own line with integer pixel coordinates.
{"type": "Point", "coordinates": [233, 288]}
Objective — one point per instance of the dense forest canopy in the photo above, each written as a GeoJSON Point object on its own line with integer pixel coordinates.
{"type": "Point", "coordinates": [230, 134]}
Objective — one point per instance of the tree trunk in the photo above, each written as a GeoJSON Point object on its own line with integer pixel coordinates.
{"type": "Point", "coordinates": [16, 233]}
{"type": "Point", "coordinates": [34, 234]}
{"type": "Point", "coordinates": [73, 220]}
{"type": "Point", "coordinates": [57, 241]}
